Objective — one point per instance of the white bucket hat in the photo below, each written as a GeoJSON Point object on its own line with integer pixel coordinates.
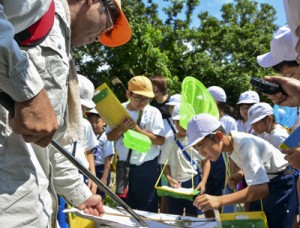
{"type": "Point", "coordinates": [282, 49]}
{"type": "Point", "coordinates": [174, 100]}
{"type": "Point", "coordinates": [249, 97]}
{"type": "Point", "coordinates": [200, 126]}
{"type": "Point", "coordinates": [87, 89]}
{"type": "Point", "coordinates": [217, 93]}
{"type": "Point", "coordinates": [259, 111]}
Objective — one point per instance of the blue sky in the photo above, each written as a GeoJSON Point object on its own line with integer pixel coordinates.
{"type": "Point", "coordinates": [214, 6]}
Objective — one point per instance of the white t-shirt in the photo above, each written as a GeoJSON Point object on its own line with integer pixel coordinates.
{"type": "Point", "coordinates": [244, 127]}
{"type": "Point", "coordinates": [181, 169]}
{"type": "Point", "coordinates": [256, 157]}
{"type": "Point", "coordinates": [151, 121]}
{"type": "Point", "coordinates": [104, 149]}
{"type": "Point", "coordinates": [228, 123]}
{"type": "Point", "coordinates": [88, 143]}
{"type": "Point", "coordinates": [277, 135]}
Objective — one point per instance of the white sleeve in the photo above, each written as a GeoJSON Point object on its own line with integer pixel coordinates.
{"type": "Point", "coordinates": [157, 125]}
{"type": "Point", "coordinates": [108, 148]}
{"type": "Point", "coordinates": [18, 76]}
{"type": "Point", "coordinates": [91, 139]}
{"type": "Point", "coordinates": [253, 166]}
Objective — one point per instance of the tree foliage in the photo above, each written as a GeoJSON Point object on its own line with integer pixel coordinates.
{"type": "Point", "coordinates": [216, 51]}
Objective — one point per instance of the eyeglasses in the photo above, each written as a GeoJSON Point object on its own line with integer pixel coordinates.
{"type": "Point", "coordinates": [110, 23]}
{"type": "Point", "coordinates": [109, 16]}
{"type": "Point", "coordinates": [140, 99]}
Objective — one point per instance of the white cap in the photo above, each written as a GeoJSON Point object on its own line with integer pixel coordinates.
{"type": "Point", "coordinates": [217, 93]}
{"type": "Point", "coordinates": [92, 111]}
{"type": "Point", "coordinates": [282, 49]}
{"type": "Point", "coordinates": [174, 99]}
{"type": "Point", "coordinates": [200, 126]}
{"type": "Point", "coordinates": [175, 112]}
{"type": "Point", "coordinates": [259, 111]}
{"type": "Point", "coordinates": [249, 97]}
{"type": "Point", "coordinates": [87, 90]}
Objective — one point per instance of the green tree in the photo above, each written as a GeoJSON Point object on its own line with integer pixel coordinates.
{"type": "Point", "coordinates": [218, 51]}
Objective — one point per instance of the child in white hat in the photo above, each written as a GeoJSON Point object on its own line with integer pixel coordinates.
{"type": "Point", "coordinates": [266, 171]}
{"type": "Point", "coordinates": [262, 119]}
{"type": "Point", "coordinates": [246, 100]}
{"type": "Point", "coordinates": [180, 168]}
{"type": "Point", "coordinates": [104, 151]}
{"type": "Point", "coordinates": [216, 179]}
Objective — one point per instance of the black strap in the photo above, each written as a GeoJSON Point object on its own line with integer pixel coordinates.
{"type": "Point", "coordinates": [74, 148]}
{"type": "Point", "coordinates": [127, 163]}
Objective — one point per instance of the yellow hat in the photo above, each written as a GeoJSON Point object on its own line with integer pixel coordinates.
{"type": "Point", "coordinates": [120, 33]}
{"type": "Point", "coordinates": [141, 85]}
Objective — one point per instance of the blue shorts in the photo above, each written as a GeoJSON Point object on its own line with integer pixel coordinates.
{"type": "Point", "coordinates": [99, 172]}
{"type": "Point", "coordinates": [142, 194]}
{"type": "Point", "coordinates": [280, 205]}
{"type": "Point", "coordinates": [216, 178]}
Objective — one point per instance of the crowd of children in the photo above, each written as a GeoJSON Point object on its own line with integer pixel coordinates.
{"type": "Point", "coordinates": [212, 155]}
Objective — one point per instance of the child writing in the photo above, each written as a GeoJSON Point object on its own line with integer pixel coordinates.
{"type": "Point", "coordinates": [266, 172]}
{"type": "Point", "coordinates": [180, 170]}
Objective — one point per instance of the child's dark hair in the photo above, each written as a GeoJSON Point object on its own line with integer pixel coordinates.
{"type": "Point", "coordinates": [278, 67]}
{"type": "Point", "coordinates": [238, 114]}
{"type": "Point", "coordinates": [227, 109]}
{"type": "Point", "coordinates": [160, 82]}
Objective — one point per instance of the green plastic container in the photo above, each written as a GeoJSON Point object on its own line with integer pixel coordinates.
{"type": "Point", "coordinates": [161, 192]}
{"type": "Point", "coordinates": [136, 141]}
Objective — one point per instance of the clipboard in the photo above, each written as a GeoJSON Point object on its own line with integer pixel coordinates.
{"type": "Point", "coordinates": [292, 141]}
{"type": "Point", "coordinates": [108, 106]}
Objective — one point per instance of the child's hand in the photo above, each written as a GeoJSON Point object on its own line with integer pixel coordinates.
{"type": "Point", "coordinates": [234, 179]}
{"type": "Point", "coordinates": [104, 180]}
{"type": "Point", "coordinates": [207, 202]}
{"type": "Point", "coordinates": [173, 183]}
{"type": "Point", "coordinates": [92, 186]}
{"type": "Point", "coordinates": [127, 124]}
{"type": "Point", "coordinates": [293, 157]}
{"type": "Point", "coordinates": [201, 187]}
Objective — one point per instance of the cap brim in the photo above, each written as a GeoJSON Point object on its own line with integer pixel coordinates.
{"type": "Point", "coordinates": [88, 103]}
{"type": "Point", "coordinates": [190, 144]}
{"type": "Point", "coordinates": [267, 60]}
{"type": "Point", "coordinates": [92, 111]}
{"type": "Point", "coordinates": [248, 102]}
{"type": "Point", "coordinates": [120, 33]}
{"type": "Point", "coordinates": [257, 119]}
{"type": "Point", "coordinates": [172, 103]}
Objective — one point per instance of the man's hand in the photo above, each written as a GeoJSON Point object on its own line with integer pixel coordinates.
{"type": "Point", "coordinates": [290, 86]}
{"type": "Point", "coordinates": [35, 120]}
{"type": "Point", "coordinates": [93, 206]}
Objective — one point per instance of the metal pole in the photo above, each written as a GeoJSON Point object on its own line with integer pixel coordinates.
{"type": "Point", "coordinates": [102, 186]}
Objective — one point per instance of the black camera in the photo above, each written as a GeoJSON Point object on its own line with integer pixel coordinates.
{"type": "Point", "coordinates": [265, 87]}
